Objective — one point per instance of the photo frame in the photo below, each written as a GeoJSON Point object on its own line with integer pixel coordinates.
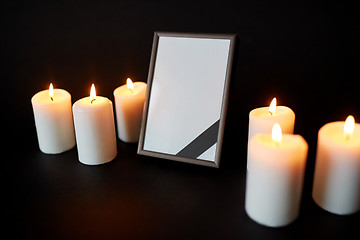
{"type": "Point", "coordinates": [186, 99]}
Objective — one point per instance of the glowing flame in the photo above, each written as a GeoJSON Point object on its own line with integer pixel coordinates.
{"type": "Point", "coordinates": [349, 126]}
{"type": "Point", "coordinates": [130, 85]}
{"type": "Point", "coordinates": [276, 133]}
{"type": "Point", "coordinates": [92, 93]}
{"type": "Point", "coordinates": [272, 108]}
{"type": "Point", "coordinates": [51, 92]}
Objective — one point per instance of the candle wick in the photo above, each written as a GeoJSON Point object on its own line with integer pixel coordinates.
{"type": "Point", "coordinates": [347, 137]}
{"type": "Point", "coordinates": [51, 98]}
{"type": "Point", "coordinates": [92, 100]}
{"type": "Point", "coordinates": [270, 113]}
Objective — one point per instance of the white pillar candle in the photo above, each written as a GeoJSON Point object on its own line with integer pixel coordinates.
{"type": "Point", "coordinates": [129, 104]}
{"type": "Point", "coordinates": [337, 169]}
{"type": "Point", "coordinates": [261, 120]}
{"type": "Point", "coordinates": [95, 129]}
{"type": "Point", "coordinates": [274, 184]}
{"type": "Point", "coordinates": [53, 120]}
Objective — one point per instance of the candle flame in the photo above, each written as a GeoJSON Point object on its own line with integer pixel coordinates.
{"type": "Point", "coordinates": [51, 92]}
{"type": "Point", "coordinates": [92, 93]}
{"type": "Point", "coordinates": [272, 107]}
{"type": "Point", "coordinates": [276, 133]}
{"type": "Point", "coordinates": [130, 85]}
{"type": "Point", "coordinates": [349, 126]}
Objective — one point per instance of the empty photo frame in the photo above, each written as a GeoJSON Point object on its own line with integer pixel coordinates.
{"type": "Point", "coordinates": [186, 99]}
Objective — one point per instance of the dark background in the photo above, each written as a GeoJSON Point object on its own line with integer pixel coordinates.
{"type": "Point", "coordinates": [304, 53]}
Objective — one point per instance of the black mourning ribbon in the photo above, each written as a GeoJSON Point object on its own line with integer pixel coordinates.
{"type": "Point", "coordinates": [201, 143]}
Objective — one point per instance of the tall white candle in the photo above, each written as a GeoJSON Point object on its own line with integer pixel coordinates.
{"type": "Point", "coordinates": [53, 120]}
{"type": "Point", "coordinates": [129, 104]}
{"type": "Point", "coordinates": [274, 184]}
{"type": "Point", "coordinates": [337, 170]}
{"type": "Point", "coordinates": [261, 120]}
{"type": "Point", "coordinates": [95, 129]}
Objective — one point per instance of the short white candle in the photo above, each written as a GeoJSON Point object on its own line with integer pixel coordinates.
{"type": "Point", "coordinates": [95, 129]}
{"type": "Point", "coordinates": [53, 120]}
{"type": "Point", "coordinates": [261, 120]}
{"type": "Point", "coordinates": [274, 184]}
{"type": "Point", "coordinates": [337, 169]}
{"type": "Point", "coordinates": [129, 104]}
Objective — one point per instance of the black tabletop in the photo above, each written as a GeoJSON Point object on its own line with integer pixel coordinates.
{"type": "Point", "coordinates": [305, 54]}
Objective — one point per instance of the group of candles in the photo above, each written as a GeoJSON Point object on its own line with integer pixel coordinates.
{"type": "Point", "coordinates": [90, 119]}
{"type": "Point", "coordinates": [276, 167]}
{"type": "Point", "coordinates": [276, 161]}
